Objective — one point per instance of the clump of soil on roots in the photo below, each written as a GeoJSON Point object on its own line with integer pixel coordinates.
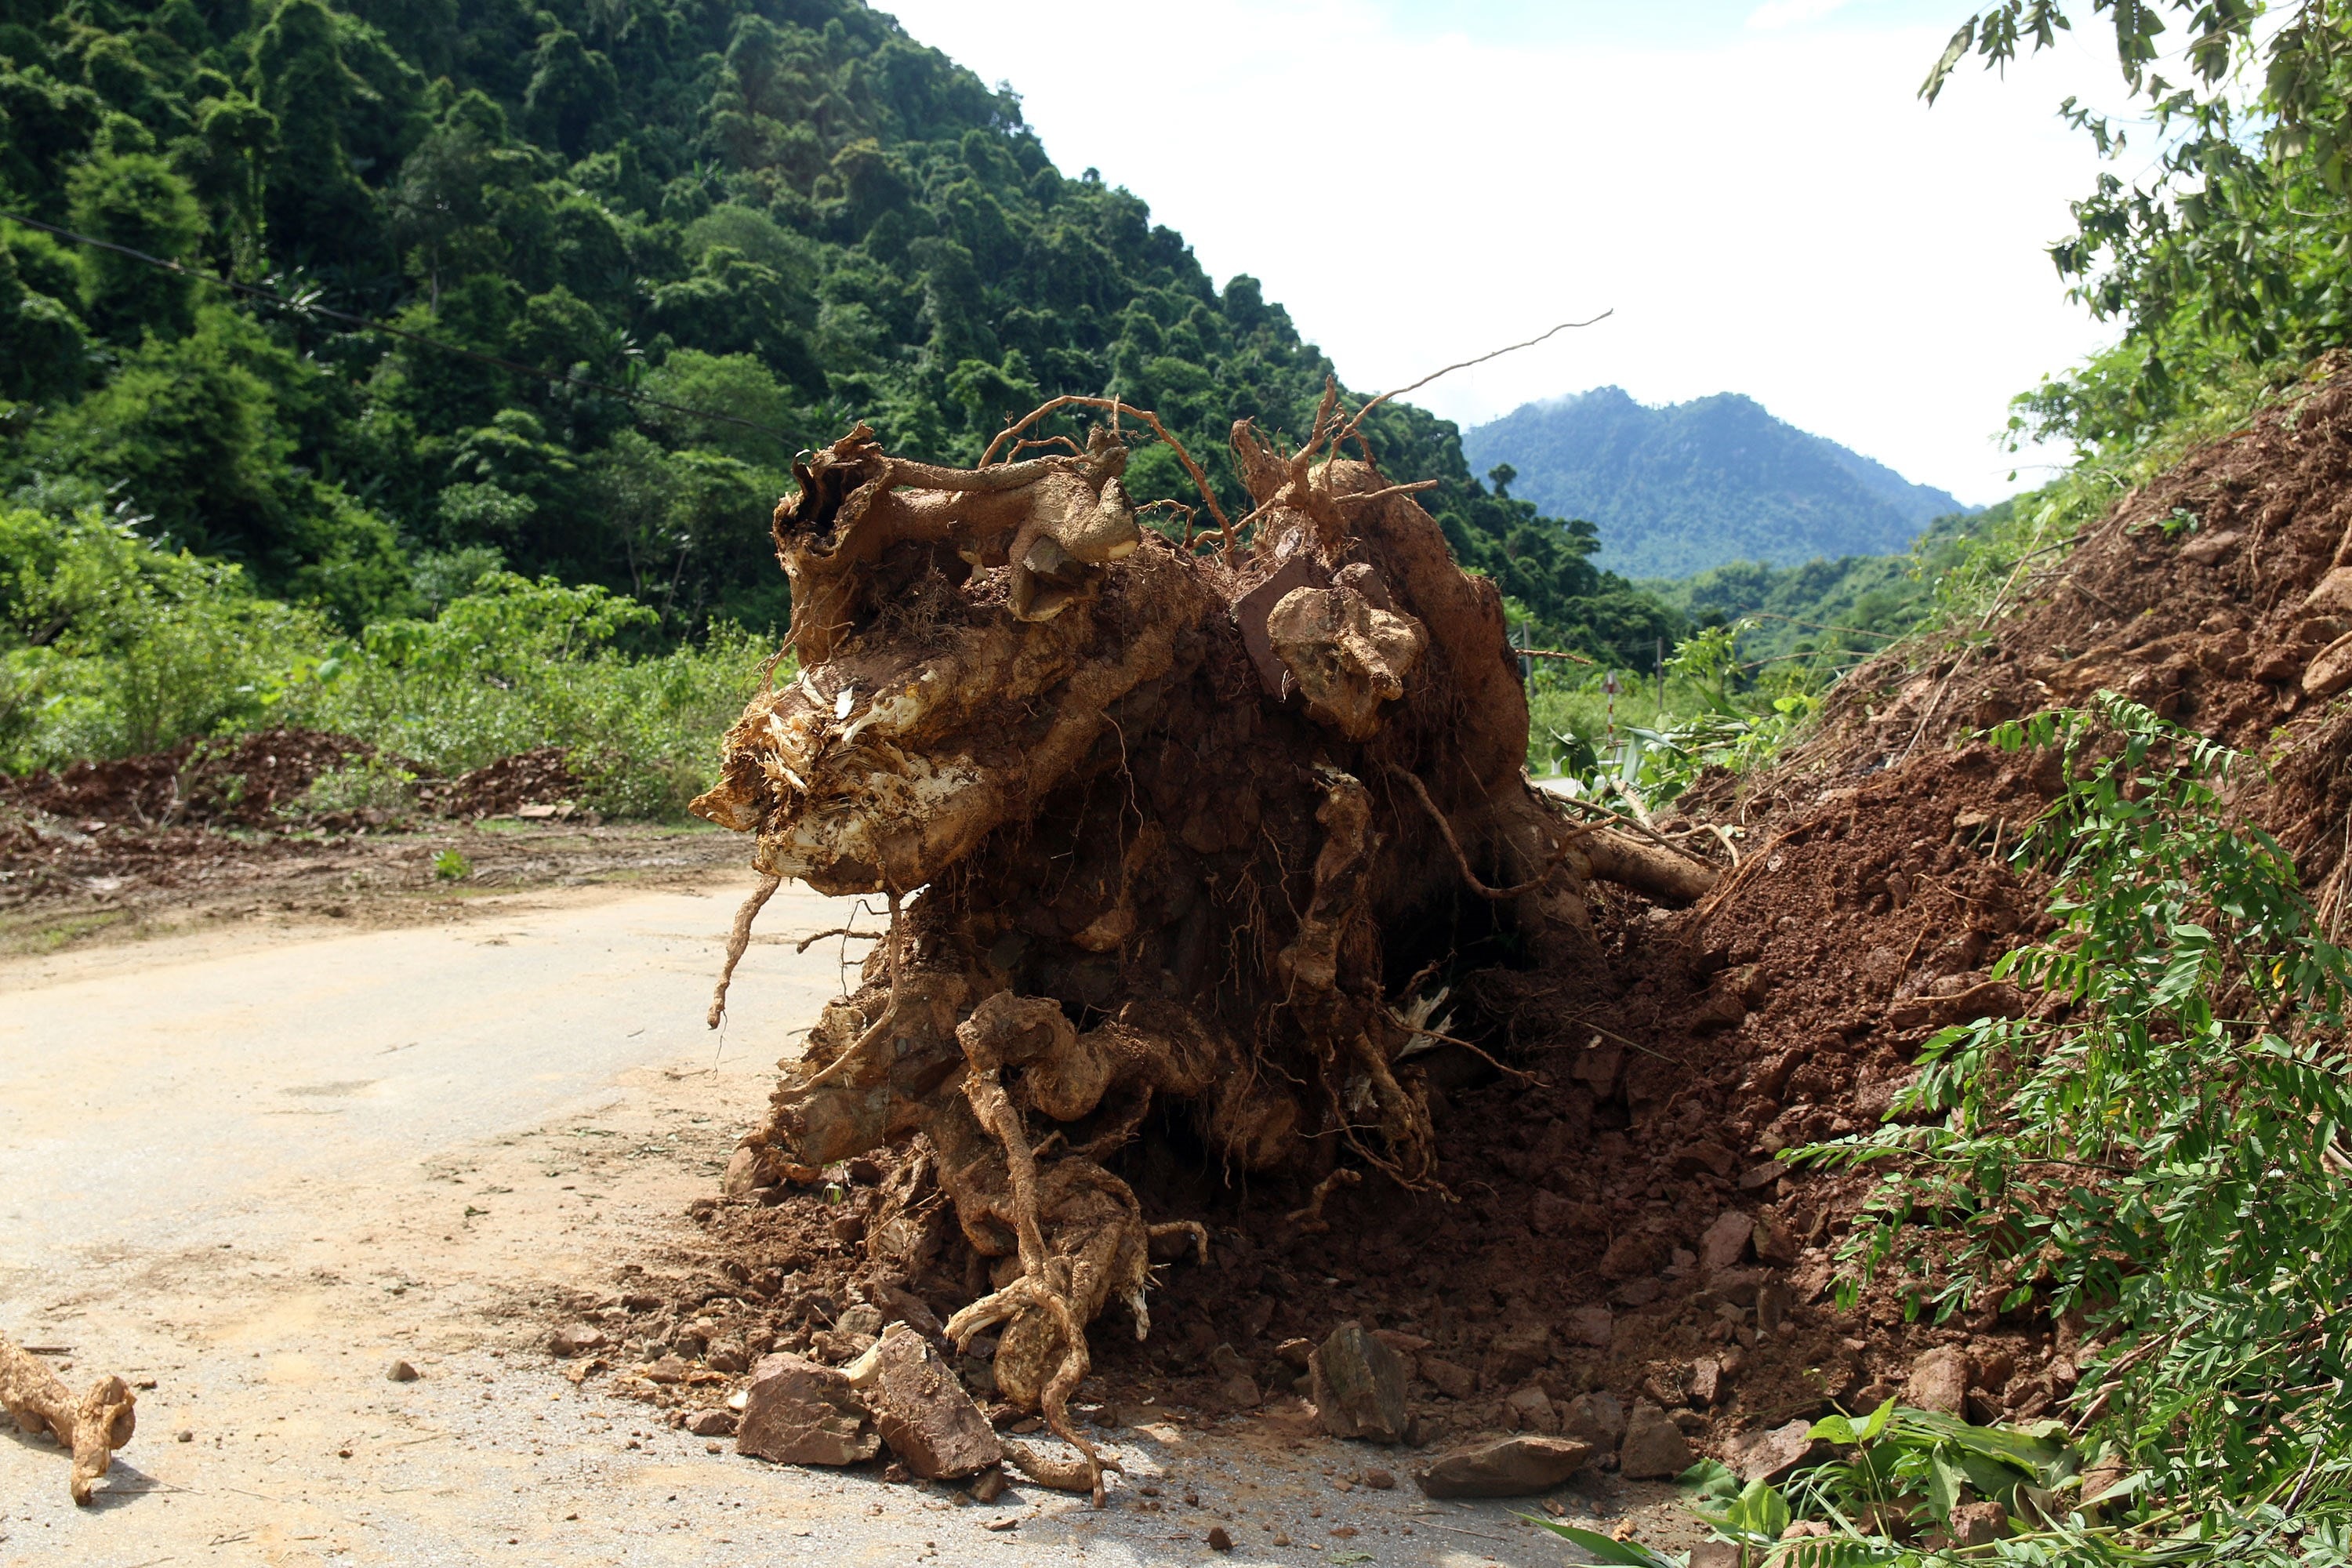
{"type": "Point", "coordinates": [1238, 914]}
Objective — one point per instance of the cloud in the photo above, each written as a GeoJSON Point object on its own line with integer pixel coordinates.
{"type": "Point", "coordinates": [1771, 213]}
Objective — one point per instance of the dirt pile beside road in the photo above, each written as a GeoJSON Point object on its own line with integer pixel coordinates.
{"type": "Point", "coordinates": [1606, 1246]}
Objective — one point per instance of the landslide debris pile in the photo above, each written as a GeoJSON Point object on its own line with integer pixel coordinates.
{"type": "Point", "coordinates": [1174, 835]}
{"type": "Point", "coordinates": [1605, 1249]}
{"type": "Point", "coordinates": [154, 819]}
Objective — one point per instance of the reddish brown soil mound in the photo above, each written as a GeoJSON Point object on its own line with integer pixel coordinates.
{"type": "Point", "coordinates": [227, 811]}
{"type": "Point", "coordinates": [243, 780]}
{"type": "Point", "coordinates": [540, 777]}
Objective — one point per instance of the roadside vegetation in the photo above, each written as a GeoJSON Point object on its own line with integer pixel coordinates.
{"type": "Point", "coordinates": [2161, 1157]}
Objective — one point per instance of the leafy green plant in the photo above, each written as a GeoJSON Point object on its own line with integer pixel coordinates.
{"type": "Point", "coordinates": [452, 866]}
{"type": "Point", "coordinates": [369, 784]}
{"type": "Point", "coordinates": [2160, 1150]}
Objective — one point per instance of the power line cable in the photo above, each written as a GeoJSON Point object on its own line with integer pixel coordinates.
{"type": "Point", "coordinates": [309, 308]}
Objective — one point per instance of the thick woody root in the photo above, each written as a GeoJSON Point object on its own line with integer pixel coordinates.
{"type": "Point", "coordinates": [92, 1426]}
{"type": "Point", "coordinates": [1160, 830]}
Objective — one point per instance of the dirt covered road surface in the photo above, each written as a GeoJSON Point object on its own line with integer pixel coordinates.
{"type": "Point", "coordinates": [253, 1163]}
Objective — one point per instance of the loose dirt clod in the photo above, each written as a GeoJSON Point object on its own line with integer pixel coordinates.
{"type": "Point", "coordinates": [92, 1428]}
{"type": "Point", "coordinates": [1190, 831]}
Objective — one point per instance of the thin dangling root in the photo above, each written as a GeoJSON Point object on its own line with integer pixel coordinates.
{"type": "Point", "coordinates": [1309, 1220]}
{"type": "Point", "coordinates": [101, 1421]}
{"type": "Point", "coordinates": [739, 938]}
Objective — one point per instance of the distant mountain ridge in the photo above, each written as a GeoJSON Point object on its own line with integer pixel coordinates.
{"type": "Point", "coordinates": [1678, 488]}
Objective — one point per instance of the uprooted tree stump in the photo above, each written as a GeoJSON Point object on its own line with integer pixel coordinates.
{"type": "Point", "coordinates": [1159, 823]}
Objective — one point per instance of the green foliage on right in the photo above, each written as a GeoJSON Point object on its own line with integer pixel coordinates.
{"type": "Point", "coordinates": [2165, 1155]}
{"type": "Point", "coordinates": [2217, 235]}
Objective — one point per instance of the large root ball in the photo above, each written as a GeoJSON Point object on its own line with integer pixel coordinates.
{"type": "Point", "coordinates": [1161, 825]}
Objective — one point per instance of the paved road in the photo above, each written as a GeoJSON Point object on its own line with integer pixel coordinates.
{"type": "Point", "coordinates": [253, 1169]}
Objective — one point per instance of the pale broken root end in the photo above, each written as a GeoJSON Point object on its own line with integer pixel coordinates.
{"type": "Point", "coordinates": [102, 1421]}
{"type": "Point", "coordinates": [1081, 1475]}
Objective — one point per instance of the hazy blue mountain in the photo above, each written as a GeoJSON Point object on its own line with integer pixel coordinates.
{"type": "Point", "coordinates": [1680, 488]}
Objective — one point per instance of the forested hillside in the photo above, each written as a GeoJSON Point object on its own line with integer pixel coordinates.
{"type": "Point", "coordinates": [1680, 488]}
{"type": "Point", "coordinates": [784, 212]}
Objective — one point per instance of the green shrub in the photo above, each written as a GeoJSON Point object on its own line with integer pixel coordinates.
{"type": "Point", "coordinates": [369, 784]}
{"type": "Point", "coordinates": [111, 646]}
{"type": "Point", "coordinates": [2164, 1153]}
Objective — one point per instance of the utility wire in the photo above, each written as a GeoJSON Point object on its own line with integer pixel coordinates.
{"type": "Point", "coordinates": [308, 307]}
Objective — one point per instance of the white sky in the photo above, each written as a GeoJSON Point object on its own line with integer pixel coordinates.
{"type": "Point", "coordinates": [1752, 185]}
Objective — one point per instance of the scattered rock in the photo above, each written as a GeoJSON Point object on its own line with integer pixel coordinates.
{"type": "Point", "coordinates": [2334, 594]}
{"type": "Point", "coordinates": [1590, 1326]}
{"type": "Point", "coordinates": [1667, 1382]}
{"type": "Point", "coordinates": [577, 1338]}
{"type": "Point", "coordinates": [839, 1346]}
{"type": "Point", "coordinates": [1637, 1292]}
{"type": "Point", "coordinates": [1409, 1346]}
{"type": "Point", "coordinates": [1531, 1410]}
{"type": "Point", "coordinates": [1706, 1155]}
{"type": "Point", "coordinates": [183, 1435]}
{"type": "Point", "coordinates": [1549, 1213]}
{"type": "Point", "coordinates": [1940, 1381]}
{"type": "Point", "coordinates": [1235, 1387]}
{"type": "Point", "coordinates": [1449, 1378]}
{"type": "Point", "coordinates": [1978, 1525]}
{"type": "Point", "coordinates": [1774, 1242]}
{"type": "Point", "coordinates": [1380, 1481]}
{"type": "Point", "coordinates": [669, 1369]}
{"type": "Point", "coordinates": [1768, 1456]}
{"type": "Point", "coordinates": [2205, 548]}
{"type": "Point", "coordinates": [2330, 670]}
{"type": "Point", "coordinates": [1726, 1242]}
{"type": "Point", "coordinates": [1515, 1467]}
{"type": "Point", "coordinates": [797, 1412]}
{"type": "Point", "coordinates": [1714, 1554]}
{"type": "Point", "coordinates": [401, 1371]}
{"type": "Point", "coordinates": [1517, 1350]}
{"type": "Point", "coordinates": [1358, 1385]}
{"type": "Point", "coordinates": [1296, 1352]}
{"type": "Point", "coordinates": [1218, 1540]}
{"type": "Point", "coordinates": [989, 1485]}
{"type": "Point", "coordinates": [1654, 1447]}
{"type": "Point", "coordinates": [1757, 1177]}
{"type": "Point", "coordinates": [900, 1305]}
{"type": "Point", "coordinates": [2099, 1480]}
{"type": "Point", "coordinates": [922, 1409]}
{"type": "Point", "coordinates": [1772, 1307]}
{"type": "Point", "coordinates": [1631, 1256]}
{"type": "Point", "coordinates": [1596, 1418]}
{"type": "Point", "coordinates": [1706, 1382]}
{"type": "Point", "coordinates": [712, 1424]}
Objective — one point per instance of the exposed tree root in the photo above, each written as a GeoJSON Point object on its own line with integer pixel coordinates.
{"type": "Point", "coordinates": [1155, 826]}
{"type": "Point", "coordinates": [92, 1426]}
